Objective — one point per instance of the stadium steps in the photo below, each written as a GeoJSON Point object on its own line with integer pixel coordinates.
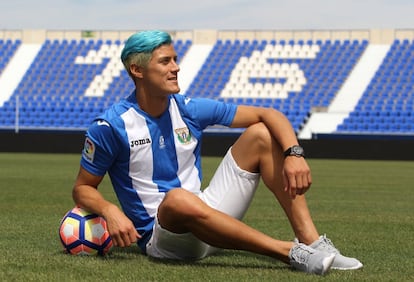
{"type": "Point", "coordinates": [349, 95]}
{"type": "Point", "coordinates": [359, 79]}
{"type": "Point", "coordinates": [192, 63]}
{"type": "Point", "coordinates": [16, 69]}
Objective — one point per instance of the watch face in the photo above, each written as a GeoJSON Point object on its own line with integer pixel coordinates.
{"type": "Point", "coordinates": [297, 150]}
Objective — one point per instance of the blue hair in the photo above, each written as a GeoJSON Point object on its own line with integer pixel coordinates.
{"type": "Point", "coordinates": [145, 42]}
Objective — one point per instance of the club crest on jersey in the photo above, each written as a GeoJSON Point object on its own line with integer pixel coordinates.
{"type": "Point", "coordinates": [183, 135]}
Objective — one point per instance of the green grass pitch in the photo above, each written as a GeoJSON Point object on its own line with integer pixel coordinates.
{"type": "Point", "coordinates": [365, 207]}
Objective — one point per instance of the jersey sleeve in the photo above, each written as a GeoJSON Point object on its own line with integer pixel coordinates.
{"type": "Point", "coordinates": [100, 148]}
{"type": "Point", "coordinates": [211, 112]}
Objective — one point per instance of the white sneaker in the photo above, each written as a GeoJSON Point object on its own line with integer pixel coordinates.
{"type": "Point", "coordinates": [309, 260]}
{"type": "Point", "coordinates": [340, 262]}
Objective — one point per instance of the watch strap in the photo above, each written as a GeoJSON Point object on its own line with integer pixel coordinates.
{"type": "Point", "coordinates": [295, 150]}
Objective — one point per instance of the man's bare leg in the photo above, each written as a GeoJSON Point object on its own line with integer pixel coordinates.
{"type": "Point", "coordinates": [257, 151]}
{"type": "Point", "coordinates": [181, 212]}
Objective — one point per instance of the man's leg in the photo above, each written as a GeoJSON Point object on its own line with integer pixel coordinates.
{"type": "Point", "coordinates": [182, 212]}
{"type": "Point", "coordinates": [257, 151]}
{"type": "Point", "coordinates": [265, 156]}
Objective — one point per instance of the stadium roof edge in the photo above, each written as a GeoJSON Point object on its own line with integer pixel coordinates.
{"type": "Point", "coordinates": [375, 36]}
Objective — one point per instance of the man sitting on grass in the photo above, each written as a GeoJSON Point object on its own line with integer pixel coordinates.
{"type": "Point", "coordinates": [150, 144]}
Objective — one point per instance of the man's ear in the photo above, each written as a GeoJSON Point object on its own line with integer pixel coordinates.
{"type": "Point", "coordinates": [136, 70]}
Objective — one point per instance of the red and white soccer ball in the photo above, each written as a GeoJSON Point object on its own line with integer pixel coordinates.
{"type": "Point", "coordinates": [84, 233]}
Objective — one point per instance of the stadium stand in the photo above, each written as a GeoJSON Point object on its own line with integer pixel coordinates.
{"type": "Point", "coordinates": [329, 85]}
{"type": "Point", "coordinates": [387, 103]}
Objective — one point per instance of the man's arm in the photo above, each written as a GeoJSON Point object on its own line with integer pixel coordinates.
{"type": "Point", "coordinates": [86, 195]}
{"type": "Point", "coordinates": [276, 122]}
{"type": "Point", "coordinates": [297, 176]}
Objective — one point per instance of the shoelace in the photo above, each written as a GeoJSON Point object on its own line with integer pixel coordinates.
{"type": "Point", "coordinates": [302, 254]}
{"type": "Point", "coordinates": [327, 245]}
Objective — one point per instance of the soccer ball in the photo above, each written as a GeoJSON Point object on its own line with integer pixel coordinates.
{"type": "Point", "coordinates": [84, 233]}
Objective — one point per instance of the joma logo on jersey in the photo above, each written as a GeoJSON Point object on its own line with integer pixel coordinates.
{"type": "Point", "coordinates": [139, 142]}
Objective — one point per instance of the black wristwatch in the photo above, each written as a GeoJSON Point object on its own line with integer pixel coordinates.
{"type": "Point", "coordinates": [296, 151]}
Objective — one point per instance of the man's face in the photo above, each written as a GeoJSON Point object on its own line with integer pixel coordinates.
{"type": "Point", "coordinates": [160, 75]}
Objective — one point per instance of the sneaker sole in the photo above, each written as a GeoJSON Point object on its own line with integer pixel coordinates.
{"type": "Point", "coordinates": [358, 266]}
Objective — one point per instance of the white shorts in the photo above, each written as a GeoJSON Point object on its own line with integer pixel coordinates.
{"type": "Point", "coordinates": [231, 191]}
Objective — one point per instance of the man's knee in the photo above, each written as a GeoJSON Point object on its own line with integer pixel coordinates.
{"type": "Point", "coordinates": [257, 139]}
{"type": "Point", "coordinates": [174, 201]}
{"type": "Point", "coordinates": [260, 134]}
{"type": "Point", "coordinates": [254, 146]}
{"type": "Point", "coordinates": [178, 208]}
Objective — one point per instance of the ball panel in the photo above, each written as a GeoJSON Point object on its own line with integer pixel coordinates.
{"type": "Point", "coordinates": [95, 230]}
{"type": "Point", "coordinates": [107, 245]}
{"type": "Point", "coordinates": [82, 250]}
{"type": "Point", "coordinates": [79, 211]}
{"type": "Point", "coordinates": [69, 230]}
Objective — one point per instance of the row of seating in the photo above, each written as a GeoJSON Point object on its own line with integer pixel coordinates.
{"type": "Point", "coordinates": [389, 95]}
{"type": "Point", "coordinates": [70, 81]}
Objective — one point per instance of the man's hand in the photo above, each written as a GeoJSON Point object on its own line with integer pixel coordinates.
{"type": "Point", "coordinates": [296, 176]}
{"type": "Point", "coordinates": [120, 227]}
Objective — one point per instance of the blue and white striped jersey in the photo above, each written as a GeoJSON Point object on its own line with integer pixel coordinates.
{"type": "Point", "coordinates": [145, 156]}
